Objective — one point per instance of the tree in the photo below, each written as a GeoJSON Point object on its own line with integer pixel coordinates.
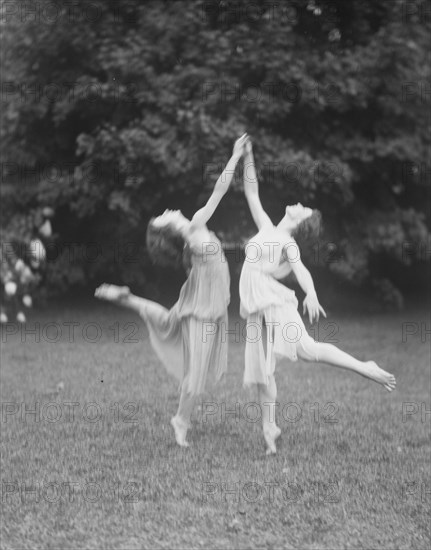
{"type": "Point", "coordinates": [124, 109]}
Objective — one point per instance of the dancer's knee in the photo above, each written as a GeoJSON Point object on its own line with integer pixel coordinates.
{"type": "Point", "coordinates": [132, 302]}
{"type": "Point", "coordinates": [308, 350]}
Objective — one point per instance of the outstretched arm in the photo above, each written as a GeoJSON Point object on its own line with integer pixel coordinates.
{"type": "Point", "coordinates": [222, 185]}
{"type": "Point", "coordinates": [251, 189]}
{"type": "Point", "coordinates": [305, 280]}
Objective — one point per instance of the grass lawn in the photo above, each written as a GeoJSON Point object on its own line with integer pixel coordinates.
{"type": "Point", "coordinates": [120, 481]}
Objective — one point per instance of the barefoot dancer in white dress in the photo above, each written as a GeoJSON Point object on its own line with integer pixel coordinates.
{"type": "Point", "coordinates": [270, 255]}
{"type": "Point", "coordinates": [179, 336]}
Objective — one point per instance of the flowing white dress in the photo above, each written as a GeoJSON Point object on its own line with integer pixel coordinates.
{"type": "Point", "coordinates": [189, 338]}
{"type": "Point", "coordinates": [264, 297]}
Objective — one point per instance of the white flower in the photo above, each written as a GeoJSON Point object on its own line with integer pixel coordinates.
{"type": "Point", "coordinates": [21, 317]}
{"type": "Point", "coordinates": [48, 212]}
{"type": "Point", "coordinates": [10, 288]}
{"type": "Point", "coordinates": [27, 301]}
{"type": "Point", "coordinates": [27, 275]}
{"type": "Point", "coordinates": [19, 265]}
{"type": "Point", "coordinates": [46, 230]}
{"type": "Point", "coordinates": [37, 250]}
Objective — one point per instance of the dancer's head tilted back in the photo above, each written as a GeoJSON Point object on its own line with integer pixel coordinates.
{"type": "Point", "coordinates": [166, 243]}
{"type": "Point", "coordinates": [301, 221]}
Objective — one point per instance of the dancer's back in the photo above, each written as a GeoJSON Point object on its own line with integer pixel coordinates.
{"type": "Point", "coordinates": [206, 293]}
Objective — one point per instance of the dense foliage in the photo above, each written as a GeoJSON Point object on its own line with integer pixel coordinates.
{"type": "Point", "coordinates": [113, 111]}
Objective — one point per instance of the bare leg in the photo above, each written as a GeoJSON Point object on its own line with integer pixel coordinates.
{"type": "Point", "coordinates": [327, 353]}
{"type": "Point", "coordinates": [181, 421]}
{"type": "Point", "coordinates": [267, 398]}
{"type": "Point", "coordinates": [122, 296]}
{"type": "Point", "coordinates": [267, 395]}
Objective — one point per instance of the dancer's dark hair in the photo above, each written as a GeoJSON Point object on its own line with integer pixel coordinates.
{"type": "Point", "coordinates": [167, 247]}
{"type": "Point", "coordinates": [310, 228]}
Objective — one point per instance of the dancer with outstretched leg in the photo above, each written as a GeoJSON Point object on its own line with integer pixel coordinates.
{"type": "Point", "coordinates": [189, 337]}
{"type": "Point", "coordinates": [271, 255]}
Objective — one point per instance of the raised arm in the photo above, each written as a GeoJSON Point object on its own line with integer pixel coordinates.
{"type": "Point", "coordinates": [305, 280]}
{"type": "Point", "coordinates": [251, 189]}
{"type": "Point", "coordinates": [222, 185]}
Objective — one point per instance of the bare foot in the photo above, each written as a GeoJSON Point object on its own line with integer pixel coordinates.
{"type": "Point", "coordinates": [386, 379]}
{"type": "Point", "coordinates": [180, 430]}
{"type": "Point", "coordinates": [271, 434]}
{"type": "Point", "coordinates": [112, 293]}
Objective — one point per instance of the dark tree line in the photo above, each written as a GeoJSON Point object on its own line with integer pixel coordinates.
{"type": "Point", "coordinates": [113, 111]}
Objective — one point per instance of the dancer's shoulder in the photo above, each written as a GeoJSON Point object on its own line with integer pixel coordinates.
{"type": "Point", "coordinates": [202, 241]}
{"type": "Point", "coordinates": [267, 227]}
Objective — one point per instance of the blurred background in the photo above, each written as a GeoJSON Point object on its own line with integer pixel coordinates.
{"type": "Point", "coordinates": [113, 111]}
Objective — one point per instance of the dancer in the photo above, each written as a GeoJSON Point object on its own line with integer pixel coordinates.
{"type": "Point", "coordinates": [188, 338]}
{"type": "Point", "coordinates": [270, 255]}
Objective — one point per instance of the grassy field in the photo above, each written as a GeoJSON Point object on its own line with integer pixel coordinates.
{"type": "Point", "coordinates": [105, 472]}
